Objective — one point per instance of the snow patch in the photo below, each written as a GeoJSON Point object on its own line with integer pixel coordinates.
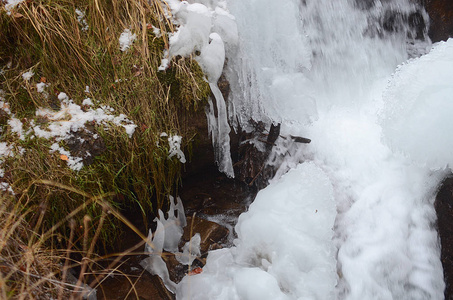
{"type": "Point", "coordinates": [284, 248]}
{"type": "Point", "coordinates": [81, 19]}
{"type": "Point", "coordinates": [28, 75]}
{"type": "Point", "coordinates": [174, 143]}
{"type": "Point", "coordinates": [417, 118]}
{"type": "Point", "coordinates": [126, 39]}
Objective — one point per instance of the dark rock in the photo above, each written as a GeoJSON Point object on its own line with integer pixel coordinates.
{"type": "Point", "coordinates": [137, 285]}
{"type": "Point", "coordinates": [176, 270]}
{"type": "Point", "coordinates": [441, 19]}
{"type": "Point", "coordinates": [251, 167]}
{"type": "Point", "coordinates": [224, 87]}
{"type": "Point", "coordinates": [210, 232]}
{"type": "Point", "coordinates": [444, 210]}
{"type": "Point", "coordinates": [211, 192]}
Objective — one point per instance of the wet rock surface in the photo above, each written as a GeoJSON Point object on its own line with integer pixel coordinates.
{"type": "Point", "coordinates": [444, 210]}
{"type": "Point", "coordinates": [212, 203]}
{"type": "Point", "coordinates": [441, 19]}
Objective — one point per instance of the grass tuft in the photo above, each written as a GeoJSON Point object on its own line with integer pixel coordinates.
{"type": "Point", "coordinates": [68, 55]}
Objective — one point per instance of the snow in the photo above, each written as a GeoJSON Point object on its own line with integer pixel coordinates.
{"type": "Point", "coordinates": [74, 163]}
{"type": "Point", "coordinates": [27, 75]}
{"type": "Point", "coordinates": [126, 39]}
{"type": "Point", "coordinates": [87, 102]}
{"type": "Point", "coordinates": [419, 102]}
{"type": "Point", "coordinates": [81, 19]}
{"type": "Point", "coordinates": [60, 125]}
{"type": "Point", "coordinates": [16, 127]}
{"type": "Point", "coordinates": [40, 87]}
{"type": "Point", "coordinates": [276, 257]}
{"type": "Point", "coordinates": [380, 147]}
{"type": "Point", "coordinates": [174, 143]}
{"type": "Point", "coordinates": [11, 4]}
{"type": "Point", "coordinates": [71, 117]}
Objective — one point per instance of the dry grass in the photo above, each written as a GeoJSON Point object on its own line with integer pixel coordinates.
{"type": "Point", "coordinates": [30, 269]}
{"type": "Point", "coordinates": [46, 37]}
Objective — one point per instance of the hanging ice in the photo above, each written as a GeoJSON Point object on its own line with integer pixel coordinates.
{"type": "Point", "coordinates": [205, 29]}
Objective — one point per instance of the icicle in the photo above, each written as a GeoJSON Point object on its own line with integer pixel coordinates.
{"type": "Point", "coordinates": [211, 61]}
{"type": "Point", "coordinates": [181, 214]}
{"type": "Point", "coordinates": [190, 250]}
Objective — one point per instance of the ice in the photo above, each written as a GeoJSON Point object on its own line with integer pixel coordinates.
{"type": "Point", "coordinates": [284, 248]}
{"type": "Point", "coordinates": [377, 155]}
{"type": "Point", "coordinates": [205, 27]}
{"type": "Point", "coordinates": [172, 226]}
{"type": "Point", "coordinates": [166, 237]}
{"type": "Point", "coordinates": [154, 263]}
{"type": "Point", "coordinates": [419, 100]}
{"type": "Point", "coordinates": [191, 250]}
{"type": "Point", "coordinates": [219, 130]}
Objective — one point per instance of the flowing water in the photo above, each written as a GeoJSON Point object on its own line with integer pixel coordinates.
{"type": "Point", "coordinates": [319, 67]}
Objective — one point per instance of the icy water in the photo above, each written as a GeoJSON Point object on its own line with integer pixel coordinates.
{"type": "Point", "coordinates": [349, 216]}
{"type": "Point", "coordinates": [319, 67]}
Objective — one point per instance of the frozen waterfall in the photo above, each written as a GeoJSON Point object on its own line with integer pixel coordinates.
{"type": "Point", "coordinates": [355, 219]}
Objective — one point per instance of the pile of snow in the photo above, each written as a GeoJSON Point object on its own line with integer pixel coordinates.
{"type": "Point", "coordinates": [28, 75]}
{"type": "Point", "coordinates": [174, 146]}
{"type": "Point", "coordinates": [126, 39]}
{"type": "Point", "coordinates": [417, 118]}
{"type": "Point", "coordinates": [11, 4]}
{"type": "Point", "coordinates": [284, 248]}
{"type": "Point", "coordinates": [209, 29]}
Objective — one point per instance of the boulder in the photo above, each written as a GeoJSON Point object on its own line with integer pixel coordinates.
{"type": "Point", "coordinates": [444, 211]}
{"type": "Point", "coordinates": [211, 233]}
{"type": "Point", "coordinates": [441, 18]}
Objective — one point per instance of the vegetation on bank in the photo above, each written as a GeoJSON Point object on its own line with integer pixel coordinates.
{"type": "Point", "coordinates": [62, 61]}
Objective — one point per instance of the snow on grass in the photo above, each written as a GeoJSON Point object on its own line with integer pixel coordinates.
{"type": "Point", "coordinates": [28, 75]}
{"type": "Point", "coordinates": [174, 143]}
{"type": "Point", "coordinates": [71, 117]}
{"type": "Point", "coordinates": [126, 39]}
{"type": "Point", "coordinates": [11, 4]}
{"type": "Point", "coordinates": [16, 127]}
{"type": "Point", "coordinates": [81, 19]}
{"type": "Point", "coordinates": [62, 124]}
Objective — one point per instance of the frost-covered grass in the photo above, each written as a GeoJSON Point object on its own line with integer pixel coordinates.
{"type": "Point", "coordinates": [77, 110]}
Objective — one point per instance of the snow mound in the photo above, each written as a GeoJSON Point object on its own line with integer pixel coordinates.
{"type": "Point", "coordinates": [416, 119]}
{"type": "Point", "coordinates": [284, 248]}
